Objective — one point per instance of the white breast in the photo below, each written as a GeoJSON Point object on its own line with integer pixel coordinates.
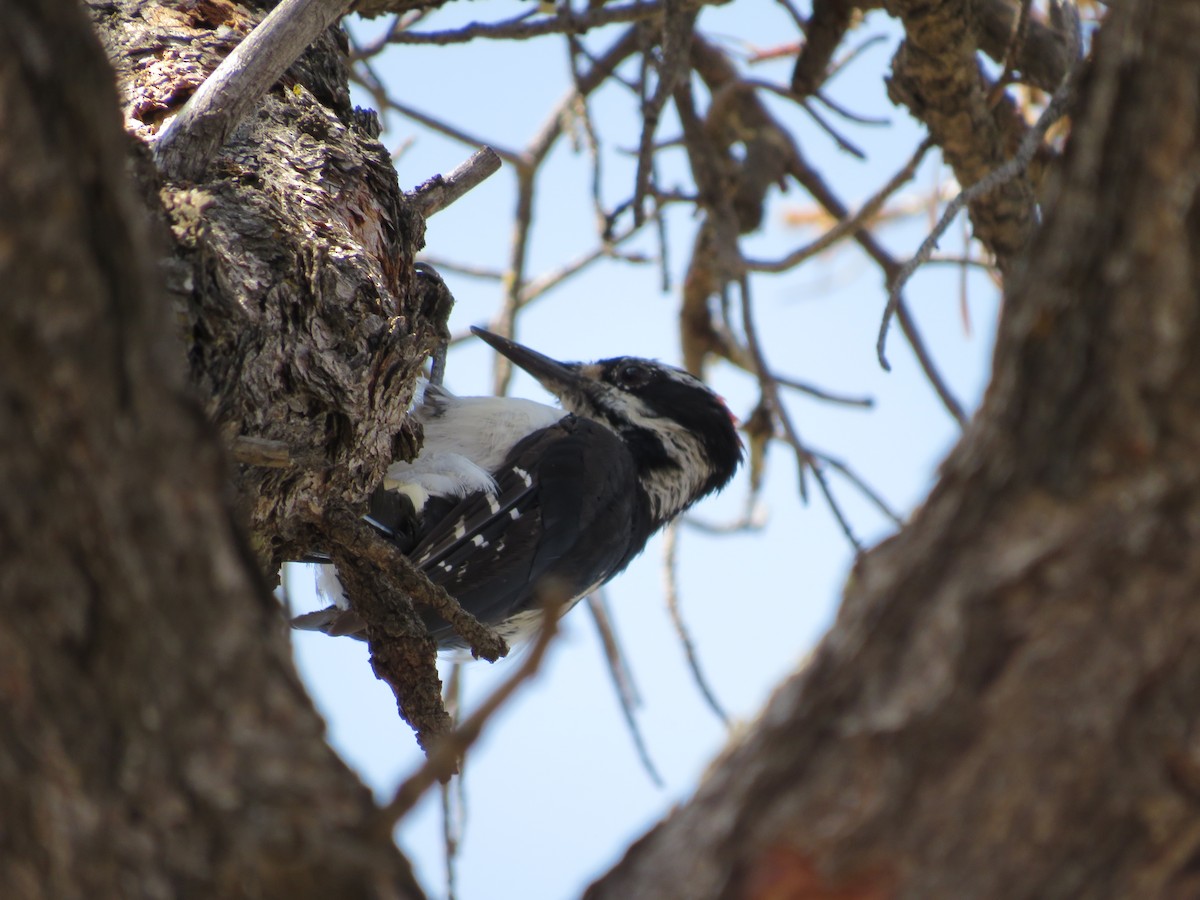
{"type": "Point", "coordinates": [466, 438]}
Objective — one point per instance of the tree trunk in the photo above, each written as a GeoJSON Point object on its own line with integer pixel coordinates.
{"type": "Point", "coordinates": [1007, 704]}
{"type": "Point", "coordinates": [154, 738]}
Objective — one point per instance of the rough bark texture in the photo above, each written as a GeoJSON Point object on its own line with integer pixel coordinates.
{"type": "Point", "coordinates": [154, 738]}
{"type": "Point", "coordinates": [937, 75]}
{"type": "Point", "coordinates": [292, 267]}
{"type": "Point", "coordinates": [1007, 705]}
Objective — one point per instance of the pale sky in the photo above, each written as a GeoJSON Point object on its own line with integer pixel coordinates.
{"type": "Point", "coordinates": [554, 790]}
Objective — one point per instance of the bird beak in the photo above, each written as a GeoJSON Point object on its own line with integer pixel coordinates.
{"type": "Point", "coordinates": [556, 377]}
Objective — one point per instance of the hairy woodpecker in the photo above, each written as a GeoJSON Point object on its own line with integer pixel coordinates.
{"type": "Point", "coordinates": [510, 497]}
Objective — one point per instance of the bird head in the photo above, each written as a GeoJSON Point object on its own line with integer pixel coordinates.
{"type": "Point", "coordinates": [681, 434]}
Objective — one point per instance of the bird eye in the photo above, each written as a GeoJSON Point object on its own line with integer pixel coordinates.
{"type": "Point", "coordinates": [631, 375]}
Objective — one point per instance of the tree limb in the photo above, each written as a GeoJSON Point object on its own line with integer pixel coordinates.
{"type": "Point", "coordinates": [1006, 704]}
{"type": "Point", "coordinates": [189, 143]}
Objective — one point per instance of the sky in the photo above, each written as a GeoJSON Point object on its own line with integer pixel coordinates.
{"type": "Point", "coordinates": [554, 791]}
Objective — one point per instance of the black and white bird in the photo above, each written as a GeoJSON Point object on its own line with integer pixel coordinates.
{"type": "Point", "coordinates": [511, 500]}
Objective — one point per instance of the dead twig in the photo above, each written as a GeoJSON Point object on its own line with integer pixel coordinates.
{"type": "Point", "coordinates": [671, 590]}
{"type": "Point", "coordinates": [186, 147]}
{"type": "Point", "coordinates": [622, 678]}
{"type": "Point", "coordinates": [443, 757]}
{"type": "Point", "coordinates": [406, 580]}
{"type": "Point", "coordinates": [821, 394]}
{"type": "Point", "coordinates": [849, 224]}
{"type": "Point", "coordinates": [565, 20]}
{"type": "Point", "coordinates": [1054, 111]}
{"type": "Point", "coordinates": [440, 191]}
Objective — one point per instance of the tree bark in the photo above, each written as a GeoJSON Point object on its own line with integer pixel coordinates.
{"type": "Point", "coordinates": [154, 738]}
{"type": "Point", "coordinates": [1007, 704]}
{"type": "Point", "coordinates": [291, 266]}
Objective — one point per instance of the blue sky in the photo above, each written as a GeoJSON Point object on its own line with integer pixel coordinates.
{"type": "Point", "coordinates": [554, 790]}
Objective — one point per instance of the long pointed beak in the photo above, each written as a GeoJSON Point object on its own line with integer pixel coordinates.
{"type": "Point", "coordinates": [556, 377]}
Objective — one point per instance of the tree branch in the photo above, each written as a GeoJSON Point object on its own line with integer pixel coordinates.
{"type": "Point", "coordinates": [1004, 706]}
{"type": "Point", "coordinates": [190, 142]}
{"type": "Point", "coordinates": [440, 191]}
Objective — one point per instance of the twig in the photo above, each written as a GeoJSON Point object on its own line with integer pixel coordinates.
{"type": "Point", "coordinates": [440, 191]}
{"type": "Point", "coordinates": [679, 21]}
{"type": "Point", "coordinates": [597, 603]}
{"type": "Point", "coordinates": [671, 590]}
{"type": "Point", "coordinates": [565, 21]}
{"type": "Point", "coordinates": [768, 384]}
{"type": "Point", "coordinates": [622, 681]}
{"type": "Point", "coordinates": [838, 138]}
{"type": "Point", "coordinates": [812, 181]}
{"type": "Point", "coordinates": [454, 799]}
{"type": "Point", "coordinates": [465, 269]}
{"type": "Point", "coordinates": [849, 224]}
{"type": "Point", "coordinates": [846, 113]}
{"type": "Point", "coordinates": [452, 796]}
{"type": "Point", "coordinates": [1000, 175]}
{"type": "Point", "coordinates": [749, 522]}
{"type": "Point", "coordinates": [822, 394]}
{"type": "Point", "coordinates": [855, 479]}
{"type": "Point", "coordinates": [838, 65]}
{"type": "Point", "coordinates": [834, 506]}
{"type": "Point", "coordinates": [450, 748]}
{"type": "Point", "coordinates": [188, 144]}
{"type": "Point", "coordinates": [400, 22]}
{"type": "Point", "coordinates": [925, 361]}
{"type": "Point", "coordinates": [407, 580]}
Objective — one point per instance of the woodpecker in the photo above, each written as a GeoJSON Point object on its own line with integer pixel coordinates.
{"type": "Point", "coordinates": [509, 497]}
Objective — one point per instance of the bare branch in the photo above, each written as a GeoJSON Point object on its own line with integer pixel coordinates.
{"type": "Point", "coordinates": [444, 756]}
{"type": "Point", "coordinates": [1013, 168]}
{"type": "Point", "coordinates": [671, 590]}
{"type": "Point", "coordinates": [188, 144]}
{"type": "Point", "coordinates": [850, 224]}
{"type": "Point", "coordinates": [867, 491]}
{"type": "Point", "coordinates": [566, 20]}
{"type": "Point", "coordinates": [622, 681]}
{"type": "Point", "coordinates": [406, 580]}
{"type": "Point", "coordinates": [821, 394]}
{"type": "Point", "coordinates": [439, 192]}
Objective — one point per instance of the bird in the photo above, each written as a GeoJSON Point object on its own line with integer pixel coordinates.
{"type": "Point", "coordinates": [511, 501]}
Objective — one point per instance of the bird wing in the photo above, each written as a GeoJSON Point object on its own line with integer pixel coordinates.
{"type": "Point", "coordinates": [566, 515]}
{"type": "Point", "coordinates": [561, 519]}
